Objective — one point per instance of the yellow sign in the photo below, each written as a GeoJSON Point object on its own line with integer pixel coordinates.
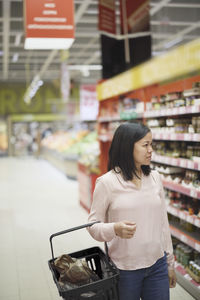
{"type": "Point", "coordinates": [180, 61]}
{"type": "Point", "coordinates": [47, 100]}
{"type": "Point", "coordinates": [37, 118]}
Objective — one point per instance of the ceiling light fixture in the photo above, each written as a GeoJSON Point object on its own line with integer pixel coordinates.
{"type": "Point", "coordinates": [173, 42]}
{"type": "Point", "coordinates": [33, 88]}
{"type": "Point", "coordinates": [85, 72]}
{"type": "Point", "coordinates": [15, 57]}
{"type": "Point", "coordinates": [48, 43]}
{"type": "Point", "coordinates": [81, 67]}
{"type": "Point", "coordinates": [18, 39]}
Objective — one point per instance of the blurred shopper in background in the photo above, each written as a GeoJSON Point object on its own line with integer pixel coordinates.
{"type": "Point", "coordinates": [129, 203]}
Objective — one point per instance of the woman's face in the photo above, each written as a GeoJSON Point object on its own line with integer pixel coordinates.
{"type": "Point", "coordinates": [142, 150]}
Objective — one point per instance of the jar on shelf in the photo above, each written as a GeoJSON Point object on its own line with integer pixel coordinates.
{"type": "Point", "coordinates": [187, 256]}
{"type": "Point", "coordinates": [177, 252]}
{"type": "Point", "coordinates": [189, 152]}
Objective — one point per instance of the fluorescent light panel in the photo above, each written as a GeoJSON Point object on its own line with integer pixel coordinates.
{"type": "Point", "coordinates": [15, 57]}
{"type": "Point", "coordinates": [83, 67]}
{"type": "Point", "coordinates": [48, 43]}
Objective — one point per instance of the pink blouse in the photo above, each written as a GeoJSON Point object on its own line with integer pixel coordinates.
{"type": "Point", "coordinates": [116, 200]}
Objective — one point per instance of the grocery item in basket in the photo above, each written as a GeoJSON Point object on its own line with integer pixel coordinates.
{"type": "Point", "coordinates": [75, 271]}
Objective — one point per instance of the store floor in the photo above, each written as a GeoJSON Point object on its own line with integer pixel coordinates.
{"type": "Point", "coordinates": [36, 200]}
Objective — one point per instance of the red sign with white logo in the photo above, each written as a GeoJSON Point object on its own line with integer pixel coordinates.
{"type": "Point", "coordinates": [136, 14]}
{"type": "Point", "coordinates": [49, 19]}
{"type": "Point", "coordinates": [107, 19]}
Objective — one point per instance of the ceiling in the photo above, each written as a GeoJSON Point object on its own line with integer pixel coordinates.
{"type": "Point", "coordinates": [173, 22]}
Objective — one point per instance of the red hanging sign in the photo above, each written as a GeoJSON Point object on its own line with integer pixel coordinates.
{"type": "Point", "coordinates": [49, 21]}
{"type": "Point", "coordinates": [134, 15]}
{"type": "Point", "coordinates": [107, 20]}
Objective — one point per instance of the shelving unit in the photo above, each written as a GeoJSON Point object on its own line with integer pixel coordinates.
{"type": "Point", "coordinates": [185, 137]}
{"type": "Point", "coordinates": [191, 192]}
{"type": "Point", "coordinates": [184, 215]}
{"type": "Point", "coordinates": [172, 111]}
{"type": "Point", "coordinates": [164, 135]}
{"type": "Point", "coordinates": [177, 162]}
{"type": "Point", "coordinates": [186, 281]}
{"type": "Point", "coordinates": [190, 240]}
{"type": "Point", "coordinates": [155, 78]}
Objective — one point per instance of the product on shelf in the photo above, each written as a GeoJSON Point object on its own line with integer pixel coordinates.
{"type": "Point", "coordinates": [188, 258]}
{"type": "Point", "coordinates": [177, 99]}
{"type": "Point", "coordinates": [188, 179]}
{"type": "Point", "coordinates": [177, 149]}
{"type": "Point", "coordinates": [80, 144]}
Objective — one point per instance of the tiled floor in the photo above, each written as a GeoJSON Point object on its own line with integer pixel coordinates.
{"type": "Point", "coordinates": [36, 200]}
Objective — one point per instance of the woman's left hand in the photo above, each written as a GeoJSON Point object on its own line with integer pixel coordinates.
{"type": "Point", "coordinates": [172, 278]}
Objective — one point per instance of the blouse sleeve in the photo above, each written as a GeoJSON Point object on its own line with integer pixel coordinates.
{"type": "Point", "coordinates": [103, 231]}
{"type": "Point", "coordinates": [167, 241]}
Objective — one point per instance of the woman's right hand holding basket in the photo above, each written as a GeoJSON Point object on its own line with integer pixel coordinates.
{"type": "Point", "coordinates": [125, 229]}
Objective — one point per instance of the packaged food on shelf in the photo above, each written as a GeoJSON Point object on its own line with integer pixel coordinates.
{"type": "Point", "coordinates": [188, 258]}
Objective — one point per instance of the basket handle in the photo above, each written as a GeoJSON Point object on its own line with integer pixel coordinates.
{"type": "Point", "coordinates": [67, 231]}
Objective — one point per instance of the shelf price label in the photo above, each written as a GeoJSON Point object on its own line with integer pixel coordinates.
{"type": "Point", "coordinates": [187, 276]}
{"type": "Point", "coordinates": [169, 112]}
{"type": "Point", "coordinates": [197, 246]}
{"type": "Point", "coordinates": [165, 159]}
{"type": "Point", "coordinates": [157, 136]}
{"type": "Point", "coordinates": [183, 238]}
{"type": "Point", "coordinates": [193, 193]}
{"type": "Point", "coordinates": [195, 109]}
{"type": "Point", "coordinates": [190, 164]}
{"type": "Point", "coordinates": [195, 137]}
{"type": "Point", "coordinates": [197, 222]}
{"type": "Point", "coordinates": [174, 162]}
{"type": "Point", "coordinates": [174, 211]}
{"type": "Point", "coordinates": [183, 163]}
{"type": "Point", "coordinates": [175, 111]}
{"type": "Point", "coordinates": [173, 136]}
{"type": "Point", "coordinates": [190, 219]}
{"type": "Point", "coordinates": [187, 137]}
{"type": "Point", "coordinates": [182, 110]}
{"type": "Point", "coordinates": [182, 215]}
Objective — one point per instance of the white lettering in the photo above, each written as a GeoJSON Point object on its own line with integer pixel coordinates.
{"type": "Point", "coordinates": [49, 12]}
{"type": "Point", "coordinates": [50, 5]}
{"type": "Point", "coordinates": [55, 20]}
{"type": "Point", "coordinates": [41, 26]}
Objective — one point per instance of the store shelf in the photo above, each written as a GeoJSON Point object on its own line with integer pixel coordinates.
{"type": "Point", "coordinates": [191, 192]}
{"type": "Point", "coordinates": [108, 119]}
{"type": "Point", "coordinates": [186, 281]}
{"type": "Point", "coordinates": [105, 137]}
{"type": "Point", "coordinates": [86, 181]}
{"type": "Point", "coordinates": [187, 238]}
{"type": "Point", "coordinates": [176, 162]}
{"type": "Point", "coordinates": [184, 215]}
{"type": "Point", "coordinates": [124, 117]}
{"type": "Point", "coordinates": [172, 111]}
{"type": "Point", "coordinates": [187, 137]}
{"type": "Point", "coordinates": [67, 165]}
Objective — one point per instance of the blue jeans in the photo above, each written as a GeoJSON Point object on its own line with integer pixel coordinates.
{"type": "Point", "coordinates": [150, 283]}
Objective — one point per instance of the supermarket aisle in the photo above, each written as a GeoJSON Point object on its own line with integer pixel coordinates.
{"type": "Point", "coordinates": [36, 201]}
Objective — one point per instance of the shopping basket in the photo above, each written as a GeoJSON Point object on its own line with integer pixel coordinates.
{"type": "Point", "coordinates": [106, 288]}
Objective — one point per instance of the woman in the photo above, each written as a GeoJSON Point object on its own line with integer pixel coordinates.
{"type": "Point", "coordinates": [129, 202]}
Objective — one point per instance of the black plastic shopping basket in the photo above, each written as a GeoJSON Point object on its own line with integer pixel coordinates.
{"type": "Point", "coordinates": [106, 288]}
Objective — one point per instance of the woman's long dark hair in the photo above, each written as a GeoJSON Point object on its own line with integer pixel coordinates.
{"type": "Point", "coordinates": [121, 149]}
